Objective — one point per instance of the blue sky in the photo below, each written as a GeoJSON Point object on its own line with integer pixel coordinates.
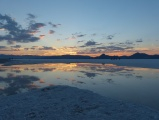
{"type": "Point", "coordinates": [85, 27]}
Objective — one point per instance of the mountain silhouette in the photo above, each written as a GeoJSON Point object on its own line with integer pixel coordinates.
{"type": "Point", "coordinates": [102, 56]}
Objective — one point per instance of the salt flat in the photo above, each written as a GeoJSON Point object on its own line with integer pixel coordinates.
{"type": "Point", "coordinates": [69, 103]}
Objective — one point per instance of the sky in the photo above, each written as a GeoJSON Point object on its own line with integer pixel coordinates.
{"type": "Point", "coordinates": [79, 27]}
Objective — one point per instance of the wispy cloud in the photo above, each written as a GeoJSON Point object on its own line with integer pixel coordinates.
{"type": "Point", "coordinates": [80, 41]}
{"type": "Point", "coordinates": [51, 31]}
{"type": "Point", "coordinates": [94, 34]}
{"type": "Point", "coordinates": [31, 16]}
{"type": "Point", "coordinates": [71, 38]}
{"type": "Point", "coordinates": [78, 35]}
{"type": "Point", "coordinates": [54, 25]}
{"type": "Point", "coordinates": [82, 35]}
{"type": "Point", "coordinates": [139, 40]}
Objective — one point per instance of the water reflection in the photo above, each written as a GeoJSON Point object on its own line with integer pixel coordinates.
{"type": "Point", "coordinates": [139, 85]}
{"type": "Point", "coordinates": [13, 84]}
{"type": "Point", "coordinates": [90, 74]}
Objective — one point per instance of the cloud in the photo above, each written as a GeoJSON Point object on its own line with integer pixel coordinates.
{"type": "Point", "coordinates": [80, 41]}
{"type": "Point", "coordinates": [26, 48]}
{"type": "Point", "coordinates": [41, 36]}
{"type": "Point", "coordinates": [54, 25]}
{"type": "Point", "coordinates": [31, 16]}
{"type": "Point", "coordinates": [94, 34]}
{"type": "Point", "coordinates": [71, 38]}
{"type": "Point", "coordinates": [17, 83]}
{"type": "Point", "coordinates": [90, 43]}
{"type": "Point", "coordinates": [80, 35]}
{"type": "Point", "coordinates": [139, 40]}
{"type": "Point", "coordinates": [109, 37]}
{"type": "Point", "coordinates": [16, 46]}
{"type": "Point", "coordinates": [51, 31]}
{"type": "Point", "coordinates": [36, 26]}
{"type": "Point", "coordinates": [114, 48]}
{"type": "Point", "coordinates": [90, 74]}
{"type": "Point", "coordinates": [129, 42]}
{"type": "Point", "coordinates": [89, 51]}
{"type": "Point", "coordinates": [3, 47]}
{"type": "Point", "coordinates": [34, 47]}
{"type": "Point", "coordinates": [15, 32]}
{"type": "Point", "coordinates": [47, 48]}
{"type": "Point", "coordinates": [12, 48]}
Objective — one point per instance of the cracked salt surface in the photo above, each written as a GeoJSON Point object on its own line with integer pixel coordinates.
{"type": "Point", "coordinates": [69, 103]}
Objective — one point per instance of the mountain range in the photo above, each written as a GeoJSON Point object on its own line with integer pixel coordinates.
{"type": "Point", "coordinates": [102, 56]}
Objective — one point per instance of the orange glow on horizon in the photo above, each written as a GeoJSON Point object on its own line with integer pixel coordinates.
{"type": "Point", "coordinates": [74, 51]}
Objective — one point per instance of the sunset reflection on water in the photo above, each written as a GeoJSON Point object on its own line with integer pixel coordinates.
{"type": "Point", "coordinates": [138, 85]}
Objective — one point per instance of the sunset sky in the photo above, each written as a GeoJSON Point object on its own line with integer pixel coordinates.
{"type": "Point", "coordinates": [79, 27]}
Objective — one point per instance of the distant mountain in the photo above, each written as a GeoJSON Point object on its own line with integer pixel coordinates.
{"type": "Point", "coordinates": [44, 57]}
{"type": "Point", "coordinates": [143, 56]}
{"type": "Point", "coordinates": [134, 56]}
{"type": "Point", "coordinates": [139, 56]}
{"type": "Point", "coordinates": [102, 56]}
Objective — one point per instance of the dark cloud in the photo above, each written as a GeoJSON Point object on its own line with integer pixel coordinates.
{"type": "Point", "coordinates": [54, 25]}
{"type": "Point", "coordinates": [41, 36]}
{"type": "Point", "coordinates": [34, 47]}
{"type": "Point", "coordinates": [90, 43]}
{"type": "Point", "coordinates": [128, 42]}
{"type": "Point", "coordinates": [109, 37]}
{"type": "Point", "coordinates": [16, 46]}
{"type": "Point", "coordinates": [139, 40]}
{"type": "Point", "coordinates": [35, 26]}
{"type": "Point", "coordinates": [80, 35]}
{"type": "Point", "coordinates": [90, 74]}
{"type": "Point", "coordinates": [10, 42]}
{"type": "Point", "coordinates": [51, 31]}
{"type": "Point", "coordinates": [31, 16]}
{"type": "Point", "coordinates": [12, 48]}
{"type": "Point", "coordinates": [80, 41]}
{"type": "Point", "coordinates": [15, 32]}
{"type": "Point", "coordinates": [47, 48]}
{"type": "Point", "coordinates": [26, 48]}
{"type": "Point", "coordinates": [3, 47]}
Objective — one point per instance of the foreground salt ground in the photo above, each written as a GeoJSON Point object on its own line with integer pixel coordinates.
{"type": "Point", "coordinates": [69, 103]}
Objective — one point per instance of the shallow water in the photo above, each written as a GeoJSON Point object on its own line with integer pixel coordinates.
{"type": "Point", "coordinates": [133, 84]}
